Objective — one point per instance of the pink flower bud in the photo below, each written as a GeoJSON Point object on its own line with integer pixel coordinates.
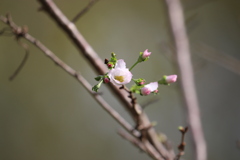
{"type": "Point", "coordinates": [156, 91]}
{"type": "Point", "coordinates": [106, 80]}
{"type": "Point", "coordinates": [171, 78]}
{"type": "Point", "coordinates": [109, 65]}
{"type": "Point", "coordinates": [141, 83]}
{"type": "Point", "coordinates": [145, 91]}
{"type": "Point", "coordinates": [146, 54]}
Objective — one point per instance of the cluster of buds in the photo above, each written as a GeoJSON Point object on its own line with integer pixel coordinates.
{"type": "Point", "coordinates": [139, 81]}
{"type": "Point", "coordinates": [112, 62]}
{"type": "Point", "coordinates": [120, 75]}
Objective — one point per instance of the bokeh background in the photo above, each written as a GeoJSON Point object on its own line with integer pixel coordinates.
{"type": "Point", "coordinates": [45, 114]}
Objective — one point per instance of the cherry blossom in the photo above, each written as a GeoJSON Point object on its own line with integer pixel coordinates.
{"type": "Point", "coordinates": [120, 75]}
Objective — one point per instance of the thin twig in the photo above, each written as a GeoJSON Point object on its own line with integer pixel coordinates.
{"type": "Point", "coordinates": [25, 46]}
{"type": "Point", "coordinates": [149, 102]}
{"type": "Point", "coordinates": [133, 140]}
{"type": "Point", "coordinates": [18, 32]}
{"type": "Point", "coordinates": [70, 29]}
{"type": "Point", "coordinates": [5, 33]}
{"type": "Point", "coordinates": [186, 72]}
{"type": "Point", "coordinates": [182, 144]}
{"type": "Point", "coordinates": [78, 77]}
{"type": "Point", "coordinates": [82, 12]}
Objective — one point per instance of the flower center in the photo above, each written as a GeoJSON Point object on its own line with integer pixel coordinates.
{"type": "Point", "coordinates": [119, 78]}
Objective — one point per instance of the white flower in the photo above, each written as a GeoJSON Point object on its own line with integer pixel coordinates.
{"type": "Point", "coordinates": [120, 74]}
{"type": "Point", "coordinates": [149, 88]}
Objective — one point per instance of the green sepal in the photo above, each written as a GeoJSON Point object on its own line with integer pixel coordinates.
{"type": "Point", "coordinates": [141, 59]}
{"type": "Point", "coordinates": [113, 58]}
{"type": "Point", "coordinates": [98, 78]}
{"type": "Point", "coordinates": [136, 89]}
{"type": "Point", "coordinates": [113, 55]}
{"type": "Point", "coordinates": [163, 81]}
{"type": "Point", "coordinates": [138, 81]}
{"type": "Point", "coordinates": [97, 86]}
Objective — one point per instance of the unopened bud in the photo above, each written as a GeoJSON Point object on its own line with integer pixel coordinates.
{"type": "Point", "coordinates": [181, 129]}
{"type": "Point", "coordinates": [146, 54]}
{"type": "Point", "coordinates": [106, 61]}
{"type": "Point", "coordinates": [141, 83]}
{"type": "Point", "coordinates": [106, 80]}
{"type": "Point", "coordinates": [171, 78]}
{"type": "Point", "coordinates": [166, 80]}
{"type": "Point", "coordinates": [110, 65]}
{"type": "Point", "coordinates": [113, 55]}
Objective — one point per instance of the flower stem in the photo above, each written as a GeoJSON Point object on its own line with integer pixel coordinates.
{"type": "Point", "coordinates": [133, 65]}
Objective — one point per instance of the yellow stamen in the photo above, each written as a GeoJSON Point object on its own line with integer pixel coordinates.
{"type": "Point", "coordinates": [119, 78]}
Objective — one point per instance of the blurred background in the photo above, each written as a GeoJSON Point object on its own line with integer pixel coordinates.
{"type": "Point", "coordinates": [45, 114]}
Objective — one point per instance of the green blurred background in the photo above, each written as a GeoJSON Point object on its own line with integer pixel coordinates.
{"type": "Point", "coordinates": [45, 114]}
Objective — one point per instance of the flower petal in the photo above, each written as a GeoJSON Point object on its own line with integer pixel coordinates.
{"type": "Point", "coordinates": [145, 91]}
{"type": "Point", "coordinates": [146, 54]}
{"type": "Point", "coordinates": [120, 76]}
{"type": "Point", "coordinates": [152, 86]}
{"type": "Point", "coordinates": [171, 78]}
{"type": "Point", "coordinates": [120, 64]}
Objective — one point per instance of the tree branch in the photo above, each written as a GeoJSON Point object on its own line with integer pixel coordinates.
{"type": "Point", "coordinates": [182, 144]}
{"type": "Point", "coordinates": [70, 29]}
{"type": "Point", "coordinates": [146, 148]}
{"type": "Point", "coordinates": [186, 72]}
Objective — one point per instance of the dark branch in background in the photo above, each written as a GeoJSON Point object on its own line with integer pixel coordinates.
{"type": "Point", "coordinates": [82, 12]}
{"type": "Point", "coordinates": [18, 32]}
{"type": "Point", "coordinates": [25, 46]}
{"type": "Point", "coordinates": [218, 57]}
{"type": "Point", "coordinates": [238, 144]}
{"type": "Point", "coordinates": [4, 32]}
{"type": "Point", "coordinates": [183, 58]}
{"type": "Point", "coordinates": [149, 102]}
{"type": "Point", "coordinates": [70, 29]}
{"type": "Point", "coordinates": [182, 145]}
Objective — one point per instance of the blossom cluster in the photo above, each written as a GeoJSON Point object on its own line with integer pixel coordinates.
{"type": "Point", "coordinates": [120, 75]}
